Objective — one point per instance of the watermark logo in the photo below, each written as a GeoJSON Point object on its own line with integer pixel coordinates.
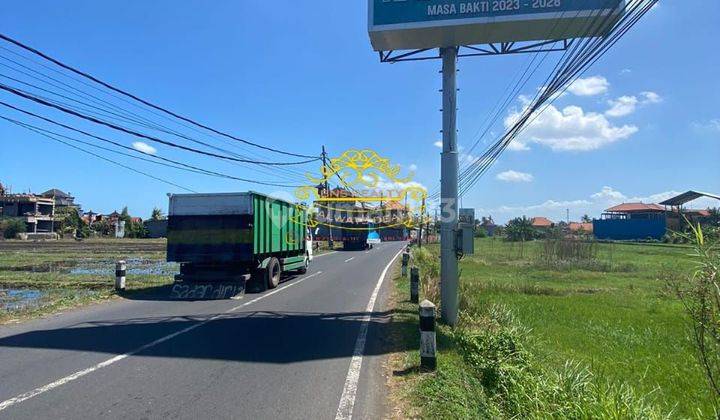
{"type": "Point", "coordinates": [372, 193]}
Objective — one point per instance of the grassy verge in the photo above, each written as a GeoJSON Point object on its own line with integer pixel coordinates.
{"type": "Point", "coordinates": [538, 338]}
{"type": "Point", "coordinates": [40, 278]}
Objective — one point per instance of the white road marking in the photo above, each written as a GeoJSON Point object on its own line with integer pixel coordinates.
{"type": "Point", "coordinates": [350, 259]}
{"type": "Point", "coordinates": [37, 391]}
{"type": "Point", "coordinates": [347, 399]}
{"type": "Point", "coordinates": [322, 255]}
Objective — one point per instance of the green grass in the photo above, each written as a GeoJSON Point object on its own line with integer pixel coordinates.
{"type": "Point", "coordinates": [45, 266]}
{"type": "Point", "coordinates": [610, 325]}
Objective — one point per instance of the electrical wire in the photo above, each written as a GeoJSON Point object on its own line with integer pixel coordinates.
{"type": "Point", "coordinates": [144, 102]}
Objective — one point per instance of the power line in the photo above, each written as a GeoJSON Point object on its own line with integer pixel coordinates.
{"type": "Point", "coordinates": [291, 173]}
{"type": "Point", "coordinates": [582, 55]}
{"type": "Point", "coordinates": [159, 108]}
{"type": "Point", "coordinates": [42, 101]}
{"type": "Point", "coordinates": [112, 161]}
{"type": "Point", "coordinates": [181, 165]}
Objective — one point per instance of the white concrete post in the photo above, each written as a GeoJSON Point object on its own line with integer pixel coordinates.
{"type": "Point", "coordinates": [428, 360]}
{"type": "Point", "coordinates": [120, 272]}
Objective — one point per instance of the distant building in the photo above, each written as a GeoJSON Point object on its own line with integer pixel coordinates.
{"type": "Point", "coordinates": [542, 223]}
{"type": "Point", "coordinates": [62, 199]}
{"type": "Point", "coordinates": [678, 213]}
{"type": "Point", "coordinates": [576, 227]}
{"type": "Point", "coordinates": [36, 211]}
{"type": "Point", "coordinates": [631, 221]}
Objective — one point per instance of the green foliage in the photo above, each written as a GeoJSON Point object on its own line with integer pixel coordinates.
{"type": "Point", "coordinates": [700, 295]}
{"type": "Point", "coordinates": [480, 232]}
{"type": "Point", "coordinates": [11, 226]}
{"type": "Point", "coordinates": [102, 228]}
{"type": "Point", "coordinates": [486, 372]}
{"type": "Point", "coordinates": [68, 222]}
{"type": "Point", "coordinates": [133, 229]}
{"type": "Point", "coordinates": [595, 337]}
{"type": "Point", "coordinates": [520, 229]}
{"type": "Point", "coordinates": [714, 218]}
{"type": "Point", "coordinates": [157, 214]}
{"type": "Point", "coordinates": [586, 219]}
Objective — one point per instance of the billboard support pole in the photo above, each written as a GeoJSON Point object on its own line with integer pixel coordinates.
{"type": "Point", "coordinates": [449, 189]}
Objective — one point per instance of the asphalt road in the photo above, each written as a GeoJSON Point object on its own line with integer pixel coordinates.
{"type": "Point", "coordinates": [298, 351]}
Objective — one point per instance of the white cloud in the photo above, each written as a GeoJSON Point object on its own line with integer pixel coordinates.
{"type": "Point", "coordinates": [144, 147]}
{"type": "Point", "coordinates": [624, 105]}
{"type": "Point", "coordinates": [589, 86]}
{"type": "Point", "coordinates": [514, 176]}
{"type": "Point", "coordinates": [608, 193]}
{"type": "Point", "coordinates": [413, 167]}
{"type": "Point", "coordinates": [396, 186]}
{"type": "Point", "coordinates": [649, 97]}
{"type": "Point", "coordinates": [712, 125]}
{"type": "Point", "coordinates": [571, 129]}
{"type": "Point", "coordinates": [625, 71]}
{"type": "Point", "coordinates": [438, 144]}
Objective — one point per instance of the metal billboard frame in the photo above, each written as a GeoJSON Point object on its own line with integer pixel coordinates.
{"type": "Point", "coordinates": [498, 48]}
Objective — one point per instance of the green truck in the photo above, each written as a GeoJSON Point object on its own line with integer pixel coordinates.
{"type": "Point", "coordinates": [236, 237]}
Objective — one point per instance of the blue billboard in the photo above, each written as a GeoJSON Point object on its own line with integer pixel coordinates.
{"type": "Point", "coordinates": [406, 24]}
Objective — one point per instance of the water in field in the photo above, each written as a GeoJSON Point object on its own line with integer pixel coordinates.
{"type": "Point", "coordinates": [19, 299]}
{"type": "Point", "coordinates": [135, 266]}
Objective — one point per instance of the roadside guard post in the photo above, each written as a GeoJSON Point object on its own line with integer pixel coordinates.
{"type": "Point", "coordinates": [405, 260]}
{"type": "Point", "coordinates": [120, 271]}
{"type": "Point", "coordinates": [428, 360]}
{"type": "Point", "coordinates": [414, 284]}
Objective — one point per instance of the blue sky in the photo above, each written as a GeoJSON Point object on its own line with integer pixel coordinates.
{"type": "Point", "coordinates": [642, 124]}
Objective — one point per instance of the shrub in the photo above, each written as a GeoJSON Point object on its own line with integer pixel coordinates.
{"type": "Point", "coordinates": [10, 227]}
{"type": "Point", "coordinates": [520, 229]}
{"type": "Point", "coordinates": [700, 295]}
{"type": "Point", "coordinates": [496, 377]}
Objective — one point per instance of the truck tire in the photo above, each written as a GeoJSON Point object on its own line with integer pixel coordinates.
{"type": "Point", "coordinates": [272, 273]}
{"type": "Point", "coordinates": [303, 269]}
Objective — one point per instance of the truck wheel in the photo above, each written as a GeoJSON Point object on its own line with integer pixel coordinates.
{"type": "Point", "coordinates": [303, 269]}
{"type": "Point", "coordinates": [272, 273]}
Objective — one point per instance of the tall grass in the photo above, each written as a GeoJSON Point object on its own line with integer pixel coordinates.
{"type": "Point", "coordinates": [486, 372]}
{"type": "Point", "coordinates": [700, 295]}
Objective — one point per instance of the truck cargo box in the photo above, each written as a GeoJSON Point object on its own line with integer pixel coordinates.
{"type": "Point", "coordinates": [233, 228]}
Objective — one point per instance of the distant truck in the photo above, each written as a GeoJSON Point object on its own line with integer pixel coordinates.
{"type": "Point", "coordinates": [355, 236]}
{"type": "Point", "coordinates": [236, 236]}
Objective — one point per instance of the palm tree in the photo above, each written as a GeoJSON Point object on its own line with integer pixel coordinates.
{"type": "Point", "coordinates": [157, 214]}
{"type": "Point", "coordinates": [520, 229]}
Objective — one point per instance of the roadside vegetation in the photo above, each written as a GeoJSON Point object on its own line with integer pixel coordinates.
{"type": "Point", "coordinates": [559, 328]}
{"type": "Point", "coordinates": [39, 278]}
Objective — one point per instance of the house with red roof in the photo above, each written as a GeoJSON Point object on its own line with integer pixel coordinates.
{"type": "Point", "coordinates": [541, 223]}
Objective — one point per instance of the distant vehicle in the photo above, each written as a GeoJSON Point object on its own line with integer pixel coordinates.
{"type": "Point", "coordinates": [354, 236]}
{"type": "Point", "coordinates": [236, 236]}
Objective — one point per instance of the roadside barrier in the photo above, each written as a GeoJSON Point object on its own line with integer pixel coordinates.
{"type": "Point", "coordinates": [120, 272]}
{"type": "Point", "coordinates": [414, 284]}
{"type": "Point", "coordinates": [428, 360]}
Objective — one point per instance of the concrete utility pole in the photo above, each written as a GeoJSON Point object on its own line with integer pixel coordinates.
{"type": "Point", "coordinates": [449, 189]}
